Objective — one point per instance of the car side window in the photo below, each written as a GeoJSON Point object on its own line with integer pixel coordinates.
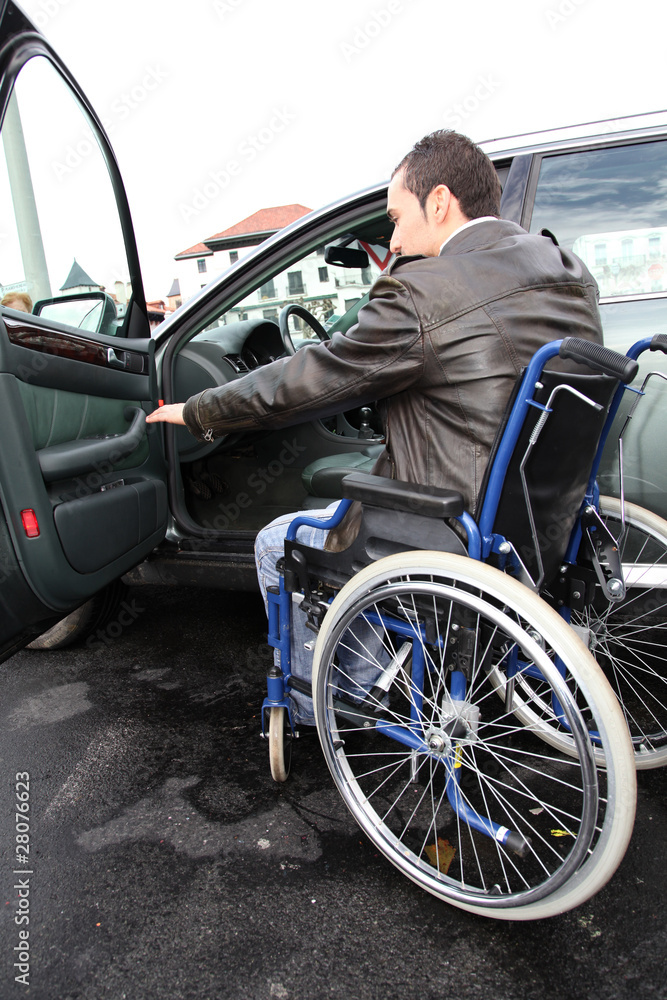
{"type": "Point", "coordinates": [61, 231]}
{"type": "Point", "coordinates": [327, 291]}
{"type": "Point", "coordinates": [608, 206]}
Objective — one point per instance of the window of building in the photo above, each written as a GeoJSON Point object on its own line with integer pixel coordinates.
{"type": "Point", "coordinates": [233, 256]}
{"type": "Point", "coordinates": [201, 265]}
{"type": "Point", "coordinates": [270, 314]}
{"type": "Point", "coordinates": [323, 273]}
{"type": "Point", "coordinates": [295, 283]}
{"type": "Point", "coordinates": [267, 290]}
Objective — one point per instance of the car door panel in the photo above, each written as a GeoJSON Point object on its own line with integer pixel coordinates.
{"type": "Point", "coordinates": [80, 457]}
{"type": "Point", "coordinates": [82, 477]}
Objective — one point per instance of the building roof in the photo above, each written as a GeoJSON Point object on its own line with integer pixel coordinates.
{"type": "Point", "coordinates": [175, 288]}
{"type": "Point", "coordinates": [78, 278]}
{"type": "Point", "coordinates": [198, 250]}
{"type": "Point", "coordinates": [250, 231]}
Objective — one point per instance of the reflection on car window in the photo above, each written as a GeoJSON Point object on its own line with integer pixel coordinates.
{"type": "Point", "coordinates": [61, 229]}
{"type": "Point", "coordinates": [626, 322]}
{"type": "Point", "coordinates": [645, 472]}
{"type": "Point", "coordinates": [609, 207]}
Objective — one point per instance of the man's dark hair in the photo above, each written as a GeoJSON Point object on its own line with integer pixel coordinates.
{"type": "Point", "coordinates": [449, 158]}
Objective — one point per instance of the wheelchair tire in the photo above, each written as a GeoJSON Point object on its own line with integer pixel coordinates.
{"type": "Point", "coordinates": [629, 638]}
{"type": "Point", "coordinates": [95, 614]}
{"type": "Point", "coordinates": [280, 744]}
{"type": "Point", "coordinates": [471, 806]}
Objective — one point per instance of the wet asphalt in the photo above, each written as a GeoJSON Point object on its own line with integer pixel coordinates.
{"type": "Point", "coordinates": [165, 862]}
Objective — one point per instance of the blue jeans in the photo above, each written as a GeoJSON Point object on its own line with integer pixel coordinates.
{"type": "Point", "coordinates": [364, 668]}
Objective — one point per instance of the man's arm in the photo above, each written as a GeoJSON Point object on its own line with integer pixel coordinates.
{"type": "Point", "coordinates": [381, 355]}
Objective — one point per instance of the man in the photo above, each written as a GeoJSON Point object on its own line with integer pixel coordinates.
{"type": "Point", "coordinates": [447, 329]}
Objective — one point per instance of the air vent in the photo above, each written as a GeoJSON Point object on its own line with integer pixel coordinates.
{"type": "Point", "coordinates": [237, 363]}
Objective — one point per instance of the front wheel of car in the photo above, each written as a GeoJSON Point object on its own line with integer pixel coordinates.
{"type": "Point", "coordinates": [83, 621]}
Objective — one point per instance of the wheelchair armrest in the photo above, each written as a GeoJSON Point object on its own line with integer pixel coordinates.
{"type": "Point", "coordinates": [378, 491]}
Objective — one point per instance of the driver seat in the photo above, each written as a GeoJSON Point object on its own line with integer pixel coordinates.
{"type": "Point", "coordinates": [323, 479]}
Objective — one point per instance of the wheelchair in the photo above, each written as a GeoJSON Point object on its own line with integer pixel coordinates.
{"type": "Point", "coordinates": [462, 665]}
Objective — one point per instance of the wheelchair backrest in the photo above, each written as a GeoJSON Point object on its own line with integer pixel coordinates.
{"type": "Point", "coordinates": [549, 467]}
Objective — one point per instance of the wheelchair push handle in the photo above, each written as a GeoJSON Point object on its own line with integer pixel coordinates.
{"type": "Point", "coordinates": [600, 358]}
{"type": "Point", "coordinates": [659, 343]}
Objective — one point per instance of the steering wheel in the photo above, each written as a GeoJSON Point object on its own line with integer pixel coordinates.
{"type": "Point", "coordinates": [297, 310]}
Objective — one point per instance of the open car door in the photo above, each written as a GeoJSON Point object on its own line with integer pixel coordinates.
{"type": "Point", "coordinates": [82, 478]}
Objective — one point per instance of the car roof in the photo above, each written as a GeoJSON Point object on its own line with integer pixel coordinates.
{"type": "Point", "coordinates": [648, 126]}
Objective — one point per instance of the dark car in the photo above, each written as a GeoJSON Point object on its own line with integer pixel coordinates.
{"type": "Point", "coordinates": [90, 493]}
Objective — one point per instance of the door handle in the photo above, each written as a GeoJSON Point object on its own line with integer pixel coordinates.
{"type": "Point", "coordinates": [126, 361]}
{"type": "Point", "coordinates": [71, 458]}
{"type": "Point", "coordinates": [113, 360]}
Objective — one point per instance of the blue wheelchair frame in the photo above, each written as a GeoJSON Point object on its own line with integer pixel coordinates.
{"type": "Point", "coordinates": [482, 543]}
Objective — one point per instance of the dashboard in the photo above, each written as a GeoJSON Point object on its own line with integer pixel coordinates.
{"type": "Point", "coordinates": [217, 356]}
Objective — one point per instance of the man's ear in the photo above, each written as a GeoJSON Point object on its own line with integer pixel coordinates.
{"type": "Point", "coordinates": [440, 201]}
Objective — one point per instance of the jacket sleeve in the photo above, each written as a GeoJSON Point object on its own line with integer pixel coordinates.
{"type": "Point", "coordinates": [380, 356]}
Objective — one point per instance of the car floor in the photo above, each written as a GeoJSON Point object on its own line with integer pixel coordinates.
{"type": "Point", "coordinates": [231, 492]}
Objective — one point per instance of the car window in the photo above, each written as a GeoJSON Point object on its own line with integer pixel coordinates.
{"type": "Point", "coordinates": [328, 291]}
{"type": "Point", "coordinates": [61, 231]}
{"type": "Point", "coordinates": [626, 322]}
{"type": "Point", "coordinates": [609, 207]}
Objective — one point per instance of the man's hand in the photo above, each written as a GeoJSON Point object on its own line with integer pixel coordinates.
{"type": "Point", "coordinates": [172, 413]}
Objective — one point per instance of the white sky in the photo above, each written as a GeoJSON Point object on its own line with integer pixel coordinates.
{"type": "Point", "coordinates": [312, 99]}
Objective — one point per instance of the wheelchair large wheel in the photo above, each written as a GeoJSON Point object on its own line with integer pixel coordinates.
{"type": "Point", "coordinates": [464, 800]}
{"type": "Point", "coordinates": [629, 638]}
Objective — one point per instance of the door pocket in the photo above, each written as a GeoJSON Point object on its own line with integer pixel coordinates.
{"type": "Point", "coordinates": [97, 529]}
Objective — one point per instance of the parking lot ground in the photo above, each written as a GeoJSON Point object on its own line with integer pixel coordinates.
{"type": "Point", "coordinates": [165, 863]}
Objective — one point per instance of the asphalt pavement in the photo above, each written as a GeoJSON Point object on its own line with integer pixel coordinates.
{"type": "Point", "coordinates": [161, 860]}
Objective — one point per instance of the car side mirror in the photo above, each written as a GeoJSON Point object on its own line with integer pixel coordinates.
{"type": "Point", "coordinates": [346, 256]}
{"type": "Point", "coordinates": [94, 312]}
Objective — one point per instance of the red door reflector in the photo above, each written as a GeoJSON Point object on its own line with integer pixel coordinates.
{"type": "Point", "coordinates": [30, 524]}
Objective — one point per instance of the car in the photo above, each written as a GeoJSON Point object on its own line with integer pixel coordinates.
{"type": "Point", "coordinates": [91, 495]}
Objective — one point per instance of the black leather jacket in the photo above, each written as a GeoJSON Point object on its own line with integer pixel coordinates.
{"type": "Point", "coordinates": [439, 345]}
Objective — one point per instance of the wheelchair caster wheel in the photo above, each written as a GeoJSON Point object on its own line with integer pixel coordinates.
{"type": "Point", "coordinates": [280, 744]}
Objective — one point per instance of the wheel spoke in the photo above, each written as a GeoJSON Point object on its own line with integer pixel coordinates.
{"type": "Point", "coordinates": [457, 790]}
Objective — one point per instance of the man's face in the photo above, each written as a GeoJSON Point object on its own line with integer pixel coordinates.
{"type": "Point", "coordinates": [413, 232]}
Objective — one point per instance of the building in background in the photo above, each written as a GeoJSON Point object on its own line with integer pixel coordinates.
{"type": "Point", "coordinates": [205, 261]}
{"type": "Point", "coordinates": [310, 282]}
{"type": "Point", "coordinates": [77, 281]}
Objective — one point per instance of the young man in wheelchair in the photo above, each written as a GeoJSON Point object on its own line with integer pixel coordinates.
{"type": "Point", "coordinates": [450, 324]}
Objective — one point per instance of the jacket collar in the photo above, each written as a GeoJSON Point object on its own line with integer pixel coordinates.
{"type": "Point", "coordinates": [467, 225]}
{"type": "Point", "coordinates": [465, 239]}
{"type": "Point", "coordinates": [470, 237]}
